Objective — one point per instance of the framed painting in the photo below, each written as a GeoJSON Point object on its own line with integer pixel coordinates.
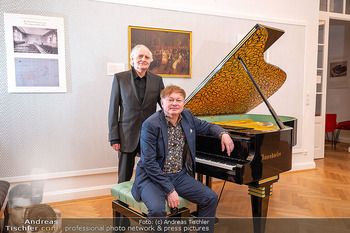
{"type": "Point", "coordinates": [171, 49]}
{"type": "Point", "coordinates": [338, 73]}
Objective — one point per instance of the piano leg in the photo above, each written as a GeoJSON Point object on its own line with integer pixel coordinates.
{"type": "Point", "coordinates": [208, 181]}
{"type": "Point", "coordinates": [200, 177]}
{"type": "Point", "coordinates": [260, 194]}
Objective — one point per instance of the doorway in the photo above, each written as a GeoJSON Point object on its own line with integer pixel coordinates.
{"type": "Point", "coordinates": [338, 75]}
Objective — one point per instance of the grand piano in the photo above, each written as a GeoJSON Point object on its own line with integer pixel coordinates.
{"type": "Point", "coordinates": [263, 143]}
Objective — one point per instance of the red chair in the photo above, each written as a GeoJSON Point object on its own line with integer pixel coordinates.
{"type": "Point", "coordinates": [331, 122]}
{"type": "Point", "coordinates": [344, 125]}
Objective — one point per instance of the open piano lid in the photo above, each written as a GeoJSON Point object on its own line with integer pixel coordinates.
{"type": "Point", "coordinates": [228, 88]}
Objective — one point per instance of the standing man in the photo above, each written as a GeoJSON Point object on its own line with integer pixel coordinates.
{"type": "Point", "coordinates": [134, 98]}
{"type": "Point", "coordinates": [167, 165]}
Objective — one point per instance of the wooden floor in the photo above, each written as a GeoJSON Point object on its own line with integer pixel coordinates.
{"type": "Point", "coordinates": [320, 192]}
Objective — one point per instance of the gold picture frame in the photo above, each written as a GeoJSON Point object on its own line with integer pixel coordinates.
{"type": "Point", "coordinates": [171, 49]}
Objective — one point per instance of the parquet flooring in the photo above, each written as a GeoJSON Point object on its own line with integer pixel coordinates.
{"type": "Point", "coordinates": [320, 192]}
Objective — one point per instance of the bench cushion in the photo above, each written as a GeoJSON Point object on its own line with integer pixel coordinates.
{"type": "Point", "coordinates": [122, 192]}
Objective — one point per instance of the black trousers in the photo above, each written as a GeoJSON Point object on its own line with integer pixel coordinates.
{"type": "Point", "coordinates": [126, 164]}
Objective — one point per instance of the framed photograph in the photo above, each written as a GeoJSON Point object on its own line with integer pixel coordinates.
{"type": "Point", "coordinates": [338, 73]}
{"type": "Point", "coordinates": [171, 49]}
{"type": "Point", "coordinates": [35, 53]}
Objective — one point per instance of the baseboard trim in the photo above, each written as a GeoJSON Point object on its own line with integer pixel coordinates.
{"type": "Point", "coordinates": [70, 185]}
{"type": "Point", "coordinates": [73, 194]}
{"type": "Point", "coordinates": [50, 176]}
{"type": "Point", "coordinates": [343, 139]}
{"type": "Point", "coordinates": [303, 166]}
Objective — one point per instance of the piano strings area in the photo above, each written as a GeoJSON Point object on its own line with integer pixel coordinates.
{"type": "Point", "coordinates": [321, 192]}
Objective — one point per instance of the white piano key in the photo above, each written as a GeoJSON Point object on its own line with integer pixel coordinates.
{"type": "Point", "coordinates": [215, 164]}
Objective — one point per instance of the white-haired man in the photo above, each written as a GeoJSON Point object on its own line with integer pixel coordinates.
{"type": "Point", "coordinates": [134, 97]}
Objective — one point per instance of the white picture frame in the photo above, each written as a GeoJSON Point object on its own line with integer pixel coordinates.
{"type": "Point", "coordinates": [35, 53]}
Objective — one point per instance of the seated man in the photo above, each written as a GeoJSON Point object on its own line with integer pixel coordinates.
{"type": "Point", "coordinates": [168, 150]}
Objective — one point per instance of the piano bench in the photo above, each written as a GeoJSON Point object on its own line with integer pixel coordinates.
{"type": "Point", "coordinates": [126, 205]}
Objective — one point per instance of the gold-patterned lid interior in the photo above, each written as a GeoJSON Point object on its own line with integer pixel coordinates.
{"type": "Point", "coordinates": [228, 88]}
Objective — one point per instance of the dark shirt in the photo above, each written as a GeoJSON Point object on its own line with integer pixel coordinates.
{"type": "Point", "coordinates": [140, 84]}
{"type": "Point", "coordinates": [176, 143]}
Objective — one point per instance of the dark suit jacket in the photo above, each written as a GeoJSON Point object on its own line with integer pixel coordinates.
{"type": "Point", "coordinates": [154, 148]}
{"type": "Point", "coordinates": [126, 112]}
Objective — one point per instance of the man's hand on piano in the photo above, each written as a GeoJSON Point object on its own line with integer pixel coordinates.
{"type": "Point", "coordinates": [173, 199]}
{"type": "Point", "coordinates": [226, 142]}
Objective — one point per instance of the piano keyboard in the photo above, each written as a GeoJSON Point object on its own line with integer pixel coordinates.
{"type": "Point", "coordinates": [216, 161]}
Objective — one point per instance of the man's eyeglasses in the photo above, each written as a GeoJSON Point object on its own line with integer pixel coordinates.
{"type": "Point", "coordinates": [171, 101]}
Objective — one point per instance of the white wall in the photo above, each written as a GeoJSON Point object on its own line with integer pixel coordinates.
{"type": "Point", "coordinates": [62, 138]}
{"type": "Point", "coordinates": [337, 98]}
